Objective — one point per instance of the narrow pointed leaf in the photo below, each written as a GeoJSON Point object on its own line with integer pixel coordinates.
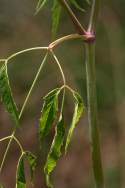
{"type": "Point", "coordinates": [40, 5]}
{"type": "Point", "coordinates": [32, 163]}
{"type": "Point", "coordinates": [20, 174]}
{"type": "Point", "coordinates": [49, 110]}
{"type": "Point", "coordinates": [76, 116]}
{"type": "Point", "coordinates": [56, 12]}
{"type": "Point", "coordinates": [55, 150]}
{"type": "Point", "coordinates": [6, 94]}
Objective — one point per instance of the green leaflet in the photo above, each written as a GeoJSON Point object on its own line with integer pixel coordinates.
{"type": "Point", "coordinates": [20, 174]}
{"type": "Point", "coordinates": [55, 150]}
{"type": "Point", "coordinates": [40, 5]}
{"type": "Point", "coordinates": [56, 12]}
{"type": "Point", "coordinates": [32, 163]}
{"type": "Point", "coordinates": [50, 107]}
{"type": "Point", "coordinates": [6, 94]}
{"type": "Point", "coordinates": [76, 116]}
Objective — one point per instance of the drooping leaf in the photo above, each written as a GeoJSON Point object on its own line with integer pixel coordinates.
{"type": "Point", "coordinates": [76, 116]}
{"type": "Point", "coordinates": [50, 107]}
{"type": "Point", "coordinates": [32, 163]}
{"type": "Point", "coordinates": [6, 94]}
{"type": "Point", "coordinates": [20, 174]}
{"type": "Point", "coordinates": [55, 150]}
{"type": "Point", "coordinates": [56, 12]}
{"type": "Point", "coordinates": [40, 5]}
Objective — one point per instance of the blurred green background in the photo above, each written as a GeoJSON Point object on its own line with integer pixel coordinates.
{"type": "Point", "coordinates": [20, 29]}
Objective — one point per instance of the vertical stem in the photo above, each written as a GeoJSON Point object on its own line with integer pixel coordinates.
{"type": "Point", "coordinates": [92, 114]}
{"type": "Point", "coordinates": [94, 15]}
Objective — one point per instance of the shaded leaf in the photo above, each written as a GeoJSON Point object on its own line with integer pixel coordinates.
{"type": "Point", "coordinates": [40, 5]}
{"type": "Point", "coordinates": [6, 94]}
{"type": "Point", "coordinates": [56, 12]}
{"type": "Point", "coordinates": [32, 163]}
{"type": "Point", "coordinates": [50, 107]}
{"type": "Point", "coordinates": [55, 150]}
{"type": "Point", "coordinates": [76, 116]}
{"type": "Point", "coordinates": [20, 174]}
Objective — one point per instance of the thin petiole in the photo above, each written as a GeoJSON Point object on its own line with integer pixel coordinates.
{"type": "Point", "coordinates": [33, 84]}
{"type": "Point", "coordinates": [5, 138]}
{"type": "Point", "coordinates": [59, 65]}
{"type": "Point", "coordinates": [19, 144]}
{"type": "Point", "coordinates": [26, 50]}
{"type": "Point", "coordinates": [80, 29]}
{"type": "Point", "coordinates": [7, 149]}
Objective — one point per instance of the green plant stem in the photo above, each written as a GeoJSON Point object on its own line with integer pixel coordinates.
{"type": "Point", "coordinates": [92, 114]}
{"type": "Point", "coordinates": [33, 84]}
{"type": "Point", "coordinates": [94, 16]}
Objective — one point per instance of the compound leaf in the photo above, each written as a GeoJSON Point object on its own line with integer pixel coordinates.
{"type": "Point", "coordinates": [76, 116]}
{"type": "Point", "coordinates": [32, 163]}
{"type": "Point", "coordinates": [50, 107]}
{"type": "Point", "coordinates": [56, 12]}
{"type": "Point", "coordinates": [20, 174]}
{"type": "Point", "coordinates": [6, 94]}
{"type": "Point", "coordinates": [55, 150]}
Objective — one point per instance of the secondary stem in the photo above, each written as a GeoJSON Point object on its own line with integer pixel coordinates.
{"type": "Point", "coordinates": [92, 114]}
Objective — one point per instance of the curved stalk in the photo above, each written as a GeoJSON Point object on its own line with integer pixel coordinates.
{"type": "Point", "coordinates": [92, 115]}
{"type": "Point", "coordinates": [24, 51]}
{"type": "Point", "coordinates": [59, 66]}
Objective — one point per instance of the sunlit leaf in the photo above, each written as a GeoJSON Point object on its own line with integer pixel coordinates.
{"type": "Point", "coordinates": [6, 94]}
{"type": "Point", "coordinates": [56, 12]}
{"type": "Point", "coordinates": [32, 163]}
{"type": "Point", "coordinates": [76, 116]}
{"type": "Point", "coordinates": [55, 150]}
{"type": "Point", "coordinates": [20, 174]}
{"type": "Point", "coordinates": [50, 107]}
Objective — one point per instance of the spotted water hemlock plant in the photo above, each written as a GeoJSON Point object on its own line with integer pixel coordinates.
{"type": "Point", "coordinates": [51, 107]}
